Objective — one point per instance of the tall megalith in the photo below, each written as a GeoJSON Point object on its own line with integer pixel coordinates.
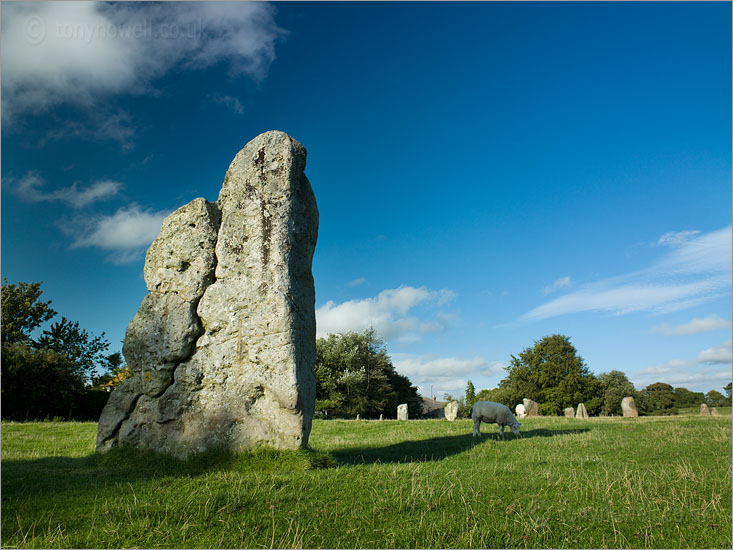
{"type": "Point", "coordinates": [222, 348]}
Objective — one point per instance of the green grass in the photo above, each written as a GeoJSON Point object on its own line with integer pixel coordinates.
{"type": "Point", "coordinates": [660, 482]}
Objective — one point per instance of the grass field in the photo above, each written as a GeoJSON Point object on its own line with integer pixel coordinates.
{"type": "Point", "coordinates": [604, 482]}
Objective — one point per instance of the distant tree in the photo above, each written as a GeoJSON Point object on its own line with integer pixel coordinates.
{"type": "Point", "coordinates": [37, 383]}
{"type": "Point", "coordinates": [687, 398]}
{"type": "Point", "coordinates": [498, 395]}
{"type": "Point", "coordinates": [470, 398]}
{"type": "Point", "coordinates": [84, 351]}
{"type": "Point", "coordinates": [23, 311]}
{"type": "Point", "coordinates": [716, 399]}
{"type": "Point", "coordinates": [354, 375]}
{"type": "Point", "coordinates": [614, 387]}
{"type": "Point", "coordinates": [552, 374]}
{"type": "Point", "coordinates": [657, 399]}
{"type": "Point", "coordinates": [728, 390]}
{"type": "Point", "coordinates": [47, 376]}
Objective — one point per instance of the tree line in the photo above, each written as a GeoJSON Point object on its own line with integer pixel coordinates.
{"type": "Point", "coordinates": [63, 371]}
{"type": "Point", "coordinates": [50, 375]}
{"type": "Point", "coordinates": [553, 374]}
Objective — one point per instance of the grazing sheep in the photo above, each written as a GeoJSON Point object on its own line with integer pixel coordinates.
{"type": "Point", "coordinates": [488, 411]}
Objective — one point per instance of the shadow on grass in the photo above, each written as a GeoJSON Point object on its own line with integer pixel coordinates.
{"type": "Point", "coordinates": [435, 448]}
{"type": "Point", "coordinates": [125, 465]}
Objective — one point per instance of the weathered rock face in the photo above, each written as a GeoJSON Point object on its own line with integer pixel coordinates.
{"type": "Point", "coordinates": [402, 411]}
{"type": "Point", "coordinates": [704, 410]}
{"type": "Point", "coordinates": [451, 410]}
{"type": "Point", "coordinates": [520, 411]}
{"type": "Point", "coordinates": [532, 408]}
{"type": "Point", "coordinates": [222, 348]}
{"type": "Point", "coordinates": [628, 407]}
{"type": "Point", "coordinates": [581, 412]}
{"type": "Point", "coordinates": [569, 412]}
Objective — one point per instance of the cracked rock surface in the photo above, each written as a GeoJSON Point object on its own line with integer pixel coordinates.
{"type": "Point", "coordinates": [222, 348]}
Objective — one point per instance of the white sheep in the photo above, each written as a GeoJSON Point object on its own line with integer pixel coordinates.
{"type": "Point", "coordinates": [488, 411]}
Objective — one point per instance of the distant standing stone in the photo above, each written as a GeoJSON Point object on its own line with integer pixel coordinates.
{"type": "Point", "coordinates": [402, 411]}
{"type": "Point", "coordinates": [704, 411]}
{"type": "Point", "coordinates": [581, 413]}
{"type": "Point", "coordinates": [381, 417]}
{"type": "Point", "coordinates": [521, 411]}
{"type": "Point", "coordinates": [569, 412]}
{"type": "Point", "coordinates": [451, 410]}
{"type": "Point", "coordinates": [628, 407]}
{"type": "Point", "coordinates": [714, 411]}
{"type": "Point", "coordinates": [532, 408]}
{"type": "Point", "coordinates": [358, 417]}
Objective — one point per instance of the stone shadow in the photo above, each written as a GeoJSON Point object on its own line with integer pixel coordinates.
{"type": "Point", "coordinates": [435, 448]}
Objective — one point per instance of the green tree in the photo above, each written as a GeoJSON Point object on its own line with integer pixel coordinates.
{"type": "Point", "coordinates": [23, 311]}
{"type": "Point", "coordinates": [85, 352]}
{"type": "Point", "coordinates": [498, 395]}
{"type": "Point", "coordinates": [354, 375]}
{"type": "Point", "coordinates": [552, 374]}
{"type": "Point", "coordinates": [687, 398]}
{"type": "Point", "coordinates": [727, 389]}
{"type": "Point", "coordinates": [657, 399]}
{"type": "Point", "coordinates": [47, 376]}
{"type": "Point", "coordinates": [614, 387]}
{"type": "Point", "coordinates": [470, 398]}
{"type": "Point", "coordinates": [716, 399]}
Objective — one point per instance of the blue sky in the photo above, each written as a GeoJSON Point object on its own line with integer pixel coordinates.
{"type": "Point", "coordinates": [486, 173]}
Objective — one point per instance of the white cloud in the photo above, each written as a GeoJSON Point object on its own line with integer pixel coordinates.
{"type": "Point", "coordinates": [561, 283]}
{"type": "Point", "coordinates": [708, 324]}
{"type": "Point", "coordinates": [719, 354]}
{"type": "Point", "coordinates": [444, 374]}
{"type": "Point", "coordinates": [84, 53]}
{"type": "Point", "coordinates": [126, 233]}
{"type": "Point", "coordinates": [30, 189]}
{"type": "Point", "coordinates": [696, 270]}
{"type": "Point", "coordinates": [357, 282]}
{"type": "Point", "coordinates": [694, 374]}
{"type": "Point", "coordinates": [693, 379]}
{"type": "Point", "coordinates": [386, 313]}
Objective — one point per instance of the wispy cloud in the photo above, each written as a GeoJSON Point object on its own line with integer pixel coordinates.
{"type": "Point", "coordinates": [696, 269]}
{"type": "Point", "coordinates": [357, 282]}
{"type": "Point", "coordinates": [230, 102]}
{"type": "Point", "coordinates": [125, 234]}
{"type": "Point", "coordinates": [707, 324]}
{"type": "Point", "coordinates": [561, 283]}
{"type": "Point", "coordinates": [387, 313]}
{"type": "Point", "coordinates": [31, 188]}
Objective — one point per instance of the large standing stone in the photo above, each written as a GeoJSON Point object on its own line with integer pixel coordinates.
{"type": "Point", "coordinates": [520, 411]}
{"type": "Point", "coordinates": [451, 410]}
{"type": "Point", "coordinates": [402, 411]}
{"type": "Point", "coordinates": [704, 410]}
{"type": "Point", "coordinates": [714, 411]}
{"type": "Point", "coordinates": [569, 412]}
{"type": "Point", "coordinates": [532, 408]}
{"type": "Point", "coordinates": [628, 407]}
{"type": "Point", "coordinates": [581, 412]}
{"type": "Point", "coordinates": [222, 348]}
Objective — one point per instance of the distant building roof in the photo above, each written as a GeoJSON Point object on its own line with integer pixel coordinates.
{"type": "Point", "coordinates": [429, 406]}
